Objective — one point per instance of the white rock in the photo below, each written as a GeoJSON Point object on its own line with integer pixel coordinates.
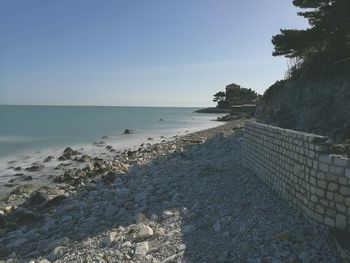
{"type": "Point", "coordinates": [108, 240]}
{"type": "Point", "coordinates": [167, 214]}
{"type": "Point", "coordinates": [182, 247]}
{"type": "Point", "coordinates": [44, 261]}
{"type": "Point", "coordinates": [145, 232]}
{"type": "Point", "coordinates": [58, 252]}
{"type": "Point", "coordinates": [141, 249]}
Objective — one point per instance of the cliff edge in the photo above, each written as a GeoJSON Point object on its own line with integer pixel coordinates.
{"type": "Point", "coordinates": [318, 105]}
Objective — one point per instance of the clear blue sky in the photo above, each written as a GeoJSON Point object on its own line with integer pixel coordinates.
{"type": "Point", "coordinates": [129, 52]}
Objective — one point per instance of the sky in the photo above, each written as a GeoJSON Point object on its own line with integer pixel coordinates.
{"type": "Point", "coordinates": [138, 53]}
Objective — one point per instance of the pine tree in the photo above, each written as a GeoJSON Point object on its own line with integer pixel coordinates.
{"type": "Point", "coordinates": [327, 39]}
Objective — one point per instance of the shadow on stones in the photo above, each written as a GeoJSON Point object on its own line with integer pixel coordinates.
{"type": "Point", "coordinates": [223, 213]}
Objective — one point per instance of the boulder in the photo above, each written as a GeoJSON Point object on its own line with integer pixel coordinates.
{"type": "Point", "coordinates": [68, 153]}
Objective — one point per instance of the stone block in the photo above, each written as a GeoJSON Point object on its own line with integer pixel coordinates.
{"type": "Point", "coordinates": [347, 173]}
{"type": "Point", "coordinates": [323, 167]}
{"type": "Point", "coordinates": [341, 161]}
{"type": "Point", "coordinates": [338, 198]}
{"type": "Point", "coordinates": [325, 158]}
{"type": "Point", "coordinates": [340, 208]}
{"type": "Point", "coordinates": [330, 196]}
{"type": "Point", "coordinates": [345, 190]}
{"type": "Point", "coordinates": [336, 170]}
{"type": "Point", "coordinates": [332, 187]}
{"type": "Point", "coordinates": [329, 222]}
{"type": "Point", "coordinates": [320, 192]}
{"type": "Point", "coordinates": [321, 184]}
{"type": "Point", "coordinates": [340, 221]}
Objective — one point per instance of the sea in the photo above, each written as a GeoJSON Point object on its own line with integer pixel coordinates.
{"type": "Point", "coordinates": [28, 134]}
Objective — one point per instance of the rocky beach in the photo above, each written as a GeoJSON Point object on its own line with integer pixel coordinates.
{"type": "Point", "coordinates": [186, 199]}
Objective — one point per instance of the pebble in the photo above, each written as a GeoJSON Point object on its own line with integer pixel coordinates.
{"type": "Point", "coordinates": [108, 240]}
{"type": "Point", "coordinates": [141, 249]}
{"type": "Point", "coordinates": [160, 205]}
{"type": "Point", "coordinates": [145, 232]}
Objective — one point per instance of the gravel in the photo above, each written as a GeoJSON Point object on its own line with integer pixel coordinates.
{"type": "Point", "coordinates": [184, 200]}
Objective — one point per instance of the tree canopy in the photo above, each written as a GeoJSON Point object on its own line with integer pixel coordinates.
{"type": "Point", "coordinates": [327, 39]}
{"type": "Point", "coordinates": [234, 96]}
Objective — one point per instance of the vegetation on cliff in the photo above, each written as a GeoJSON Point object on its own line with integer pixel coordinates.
{"type": "Point", "coordinates": [315, 95]}
{"type": "Point", "coordinates": [325, 45]}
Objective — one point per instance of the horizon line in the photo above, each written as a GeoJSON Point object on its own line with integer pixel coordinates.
{"type": "Point", "coordinates": [77, 105]}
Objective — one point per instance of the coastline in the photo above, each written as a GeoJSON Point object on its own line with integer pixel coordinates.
{"type": "Point", "coordinates": [15, 169]}
{"type": "Point", "coordinates": [155, 203]}
{"type": "Point", "coordinates": [86, 157]}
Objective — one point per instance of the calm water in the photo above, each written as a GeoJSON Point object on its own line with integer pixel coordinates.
{"type": "Point", "coordinates": [32, 128]}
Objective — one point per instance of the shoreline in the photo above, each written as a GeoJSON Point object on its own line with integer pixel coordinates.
{"type": "Point", "coordinates": [13, 168]}
{"type": "Point", "coordinates": [184, 200]}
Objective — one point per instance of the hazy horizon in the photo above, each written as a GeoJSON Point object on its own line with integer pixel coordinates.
{"type": "Point", "coordinates": [153, 53]}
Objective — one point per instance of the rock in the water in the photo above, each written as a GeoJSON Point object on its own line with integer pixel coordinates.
{"type": "Point", "coordinates": [141, 249]}
{"type": "Point", "coordinates": [35, 167]}
{"type": "Point", "coordinates": [67, 154]}
{"type": "Point", "coordinates": [145, 232]}
{"type": "Point", "coordinates": [129, 131]}
{"type": "Point", "coordinates": [49, 159]}
{"type": "Point", "coordinates": [85, 159]}
{"type": "Point", "coordinates": [44, 261]}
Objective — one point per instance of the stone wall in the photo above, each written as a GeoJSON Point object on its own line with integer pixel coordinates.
{"type": "Point", "coordinates": [297, 166]}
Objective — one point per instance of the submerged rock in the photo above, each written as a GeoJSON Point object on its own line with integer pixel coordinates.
{"type": "Point", "coordinates": [129, 131]}
{"type": "Point", "coordinates": [68, 153]}
{"type": "Point", "coordinates": [35, 167]}
{"type": "Point", "coordinates": [49, 158]}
